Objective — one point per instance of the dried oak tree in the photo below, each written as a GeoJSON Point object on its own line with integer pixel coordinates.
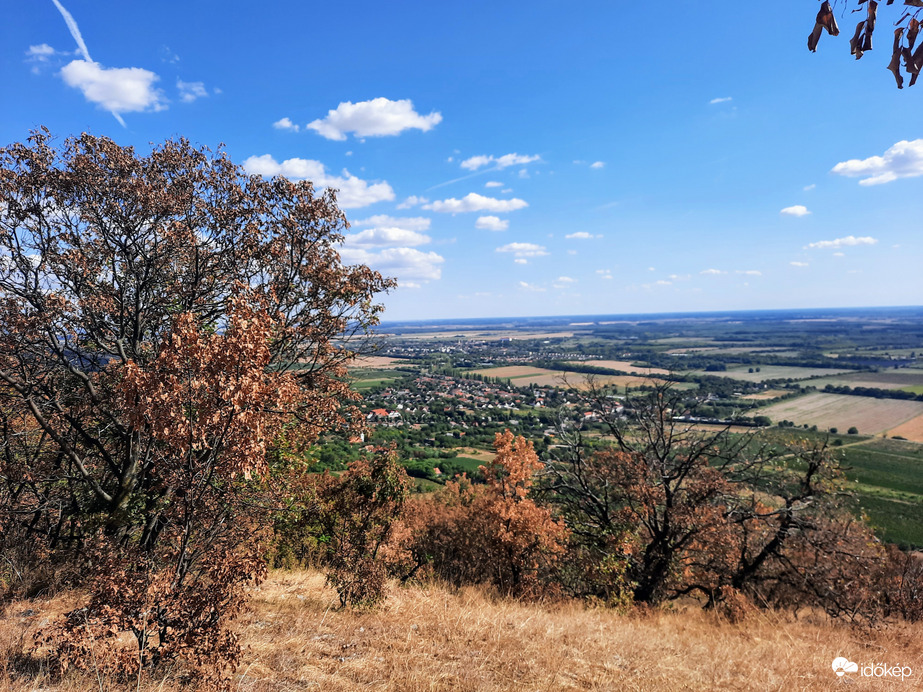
{"type": "Point", "coordinates": [170, 327]}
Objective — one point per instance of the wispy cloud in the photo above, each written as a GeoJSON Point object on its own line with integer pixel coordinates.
{"type": "Point", "coordinates": [712, 272]}
{"type": "Point", "coordinates": [598, 164]}
{"type": "Point", "coordinates": [581, 235]}
{"type": "Point", "coordinates": [75, 31]}
{"type": "Point", "coordinates": [522, 250]}
{"type": "Point", "coordinates": [799, 264]}
{"type": "Point", "coordinates": [475, 162]}
{"type": "Point", "coordinates": [796, 210]}
{"type": "Point", "coordinates": [722, 99]}
{"type": "Point", "coordinates": [190, 91]}
{"type": "Point", "coordinates": [838, 243]}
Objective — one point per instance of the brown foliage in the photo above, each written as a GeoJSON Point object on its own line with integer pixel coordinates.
{"type": "Point", "coordinates": [169, 329]}
{"type": "Point", "coordinates": [493, 533]}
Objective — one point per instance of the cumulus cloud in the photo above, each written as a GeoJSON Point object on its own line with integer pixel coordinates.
{"type": "Point", "coordinates": [505, 161]}
{"type": "Point", "coordinates": [564, 282]}
{"type": "Point", "coordinates": [712, 272]}
{"type": "Point", "coordinates": [493, 183]}
{"type": "Point", "coordinates": [680, 277]}
{"type": "Point", "coordinates": [475, 202]}
{"type": "Point", "coordinates": [412, 201]}
{"type": "Point", "coordinates": [799, 264]}
{"type": "Point", "coordinates": [530, 287]}
{"type": "Point", "coordinates": [286, 124]}
{"type": "Point", "coordinates": [379, 117]}
{"type": "Point", "coordinates": [413, 223]}
{"type": "Point", "coordinates": [722, 99]}
{"type": "Point", "coordinates": [492, 223]}
{"type": "Point", "coordinates": [581, 235]}
{"type": "Point", "coordinates": [387, 237]}
{"type": "Point", "coordinates": [523, 250]}
{"type": "Point", "coordinates": [841, 242]}
{"type": "Point", "coordinates": [902, 160]}
{"type": "Point", "coordinates": [352, 192]}
{"type": "Point", "coordinates": [407, 264]}
{"type": "Point", "coordinates": [796, 210]}
{"type": "Point", "coordinates": [598, 164]}
{"type": "Point", "coordinates": [116, 89]}
{"type": "Point", "coordinates": [190, 91]}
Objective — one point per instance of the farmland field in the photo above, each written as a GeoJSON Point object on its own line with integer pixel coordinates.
{"type": "Point", "coordinates": [906, 379]}
{"type": "Point", "coordinates": [381, 362]}
{"type": "Point", "coordinates": [772, 372]}
{"type": "Point", "coordinates": [842, 411]}
{"type": "Point", "coordinates": [912, 429]}
{"type": "Point", "coordinates": [523, 375]}
{"type": "Point", "coordinates": [624, 366]}
{"type": "Point", "coordinates": [889, 476]}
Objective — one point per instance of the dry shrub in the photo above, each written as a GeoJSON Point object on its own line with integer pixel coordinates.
{"type": "Point", "coordinates": [493, 533]}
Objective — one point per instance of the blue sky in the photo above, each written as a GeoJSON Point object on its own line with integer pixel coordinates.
{"type": "Point", "coordinates": [518, 158]}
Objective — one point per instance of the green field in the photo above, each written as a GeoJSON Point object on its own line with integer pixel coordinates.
{"type": "Point", "coordinates": [771, 372]}
{"type": "Point", "coordinates": [889, 486]}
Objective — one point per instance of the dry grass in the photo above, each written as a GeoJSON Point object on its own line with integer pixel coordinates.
{"type": "Point", "coordinates": [435, 639]}
{"type": "Point", "coordinates": [912, 429]}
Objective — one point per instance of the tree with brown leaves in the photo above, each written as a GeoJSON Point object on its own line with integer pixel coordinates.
{"type": "Point", "coordinates": [169, 327]}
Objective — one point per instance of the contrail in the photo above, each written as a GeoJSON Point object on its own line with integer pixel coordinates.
{"type": "Point", "coordinates": [82, 47]}
{"type": "Point", "coordinates": [74, 29]}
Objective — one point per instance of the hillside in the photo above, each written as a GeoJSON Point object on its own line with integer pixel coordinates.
{"type": "Point", "coordinates": [435, 639]}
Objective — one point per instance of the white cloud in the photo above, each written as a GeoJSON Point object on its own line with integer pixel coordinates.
{"type": "Point", "coordinates": [412, 201]}
{"type": "Point", "coordinates": [749, 272]}
{"type": "Point", "coordinates": [407, 264]}
{"type": "Point", "coordinates": [604, 273]}
{"type": "Point", "coordinates": [796, 210]}
{"type": "Point", "coordinates": [387, 237]}
{"type": "Point", "coordinates": [117, 89]}
{"type": "Point", "coordinates": [903, 160]}
{"type": "Point", "coordinates": [598, 164]}
{"type": "Point", "coordinates": [712, 272]}
{"type": "Point", "coordinates": [799, 264]}
{"type": "Point", "coordinates": [531, 287]}
{"type": "Point", "coordinates": [475, 202]}
{"type": "Point", "coordinates": [190, 91]}
{"type": "Point", "coordinates": [841, 242]}
{"type": "Point", "coordinates": [352, 192]}
{"type": "Point", "coordinates": [505, 161]}
{"type": "Point", "coordinates": [74, 30]}
{"type": "Point", "coordinates": [379, 117]}
{"type": "Point", "coordinates": [663, 282]}
{"type": "Point", "coordinates": [521, 261]}
{"type": "Point", "coordinates": [564, 282]}
{"type": "Point", "coordinates": [40, 53]}
{"type": "Point", "coordinates": [411, 223]}
{"type": "Point", "coordinates": [680, 277]}
{"type": "Point", "coordinates": [581, 235]}
{"type": "Point", "coordinates": [522, 250]}
{"type": "Point", "coordinates": [808, 188]}
{"type": "Point", "coordinates": [722, 99]}
{"type": "Point", "coordinates": [493, 183]}
{"type": "Point", "coordinates": [286, 124]}
{"type": "Point", "coordinates": [492, 223]}
{"type": "Point", "coordinates": [839, 254]}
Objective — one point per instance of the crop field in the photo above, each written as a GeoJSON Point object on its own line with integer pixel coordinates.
{"type": "Point", "coordinates": [842, 411]}
{"type": "Point", "coordinates": [767, 395]}
{"type": "Point", "coordinates": [772, 372]}
{"type": "Point", "coordinates": [911, 430]}
{"type": "Point", "coordinates": [523, 375]}
{"type": "Point", "coordinates": [377, 362]}
{"type": "Point", "coordinates": [889, 477]}
{"type": "Point", "coordinates": [906, 379]}
{"type": "Point", "coordinates": [624, 366]}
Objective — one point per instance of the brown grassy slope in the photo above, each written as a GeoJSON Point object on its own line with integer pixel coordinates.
{"type": "Point", "coordinates": [434, 639]}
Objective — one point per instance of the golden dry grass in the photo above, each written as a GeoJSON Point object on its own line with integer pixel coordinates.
{"type": "Point", "coordinates": [434, 639]}
{"type": "Point", "coordinates": [912, 429]}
